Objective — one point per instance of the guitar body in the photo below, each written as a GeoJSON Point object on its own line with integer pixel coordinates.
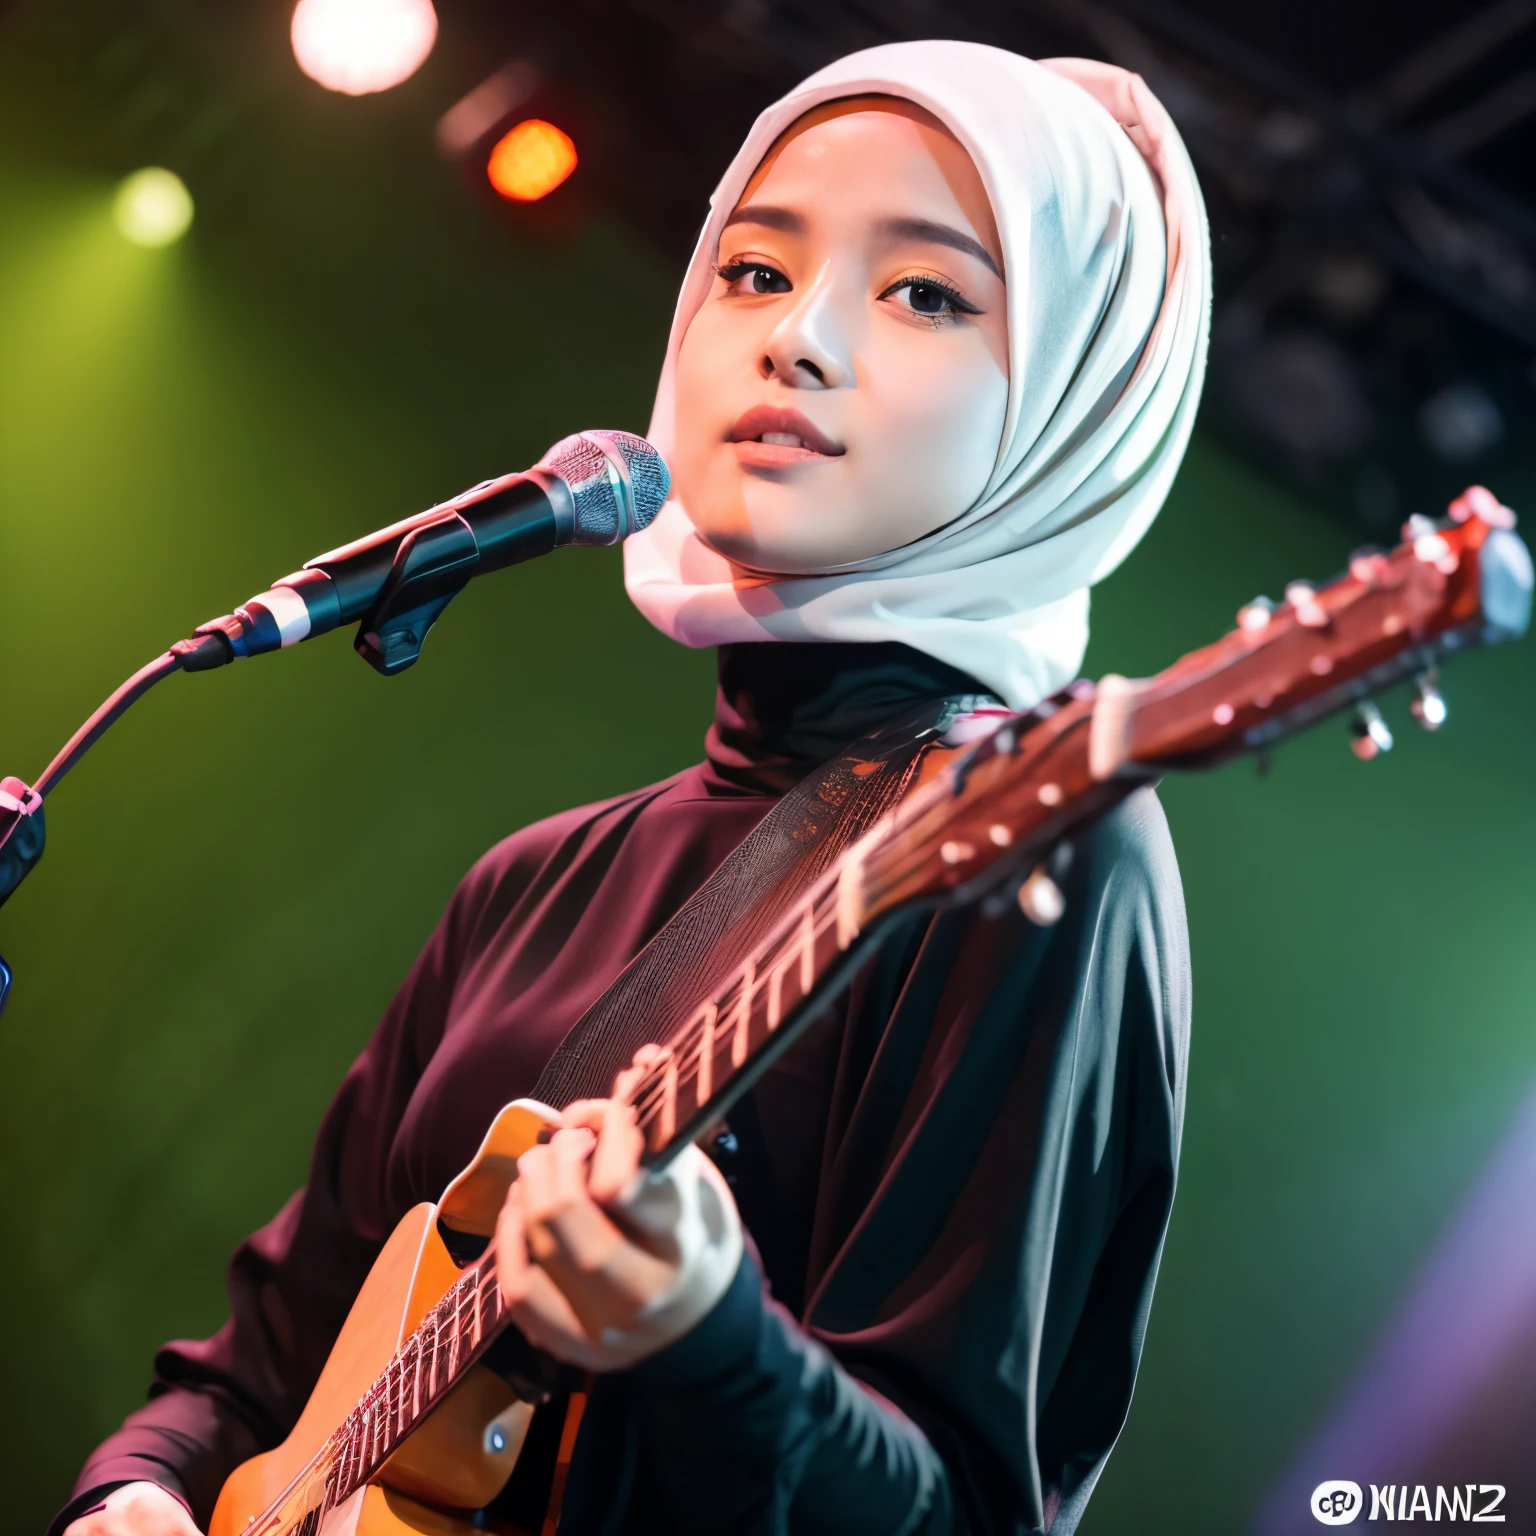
{"type": "Point", "coordinates": [461, 1455]}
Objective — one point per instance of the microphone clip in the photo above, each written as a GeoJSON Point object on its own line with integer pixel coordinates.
{"type": "Point", "coordinates": [431, 567]}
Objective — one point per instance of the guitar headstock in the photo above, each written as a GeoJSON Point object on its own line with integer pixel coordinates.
{"type": "Point", "coordinates": [1464, 581]}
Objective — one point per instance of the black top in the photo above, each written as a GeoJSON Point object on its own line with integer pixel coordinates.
{"type": "Point", "coordinates": [958, 1182]}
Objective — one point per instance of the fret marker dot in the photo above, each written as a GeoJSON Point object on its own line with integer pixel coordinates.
{"type": "Point", "coordinates": [1322, 665]}
{"type": "Point", "coordinates": [1222, 714]}
{"type": "Point", "coordinates": [1050, 794]}
{"type": "Point", "coordinates": [1000, 834]}
{"type": "Point", "coordinates": [956, 852]}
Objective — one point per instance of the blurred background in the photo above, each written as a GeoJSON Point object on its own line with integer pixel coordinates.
{"type": "Point", "coordinates": [388, 251]}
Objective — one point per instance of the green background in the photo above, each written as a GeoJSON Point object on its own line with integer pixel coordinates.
{"type": "Point", "coordinates": [240, 875]}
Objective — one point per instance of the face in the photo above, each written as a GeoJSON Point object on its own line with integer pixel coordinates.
{"type": "Point", "coordinates": [842, 390]}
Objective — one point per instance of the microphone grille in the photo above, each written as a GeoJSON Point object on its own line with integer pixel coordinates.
{"type": "Point", "coordinates": [617, 482]}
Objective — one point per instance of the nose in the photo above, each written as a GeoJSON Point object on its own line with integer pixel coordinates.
{"type": "Point", "coordinates": [808, 348]}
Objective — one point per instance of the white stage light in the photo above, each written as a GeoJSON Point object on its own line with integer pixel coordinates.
{"type": "Point", "coordinates": [358, 46]}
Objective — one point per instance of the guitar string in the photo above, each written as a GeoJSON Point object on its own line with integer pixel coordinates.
{"type": "Point", "coordinates": [689, 1040]}
{"type": "Point", "coordinates": [887, 861]}
{"type": "Point", "coordinates": [349, 1443]}
{"type": "Point", "coordinates": [341, 1446]}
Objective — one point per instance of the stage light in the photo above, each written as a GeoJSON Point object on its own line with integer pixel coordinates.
{"type": "Point", "coordinates": [531, 160]}
{"type": "Point", "coordinates": [153, 207]}
{"type": "Point", "coordinates": [358, 46]}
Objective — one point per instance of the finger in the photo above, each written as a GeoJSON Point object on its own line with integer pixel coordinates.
{"type": "Point", "coordinates": [513, 1266]}
{"type": "Point", "coordinates": [619, 1144]}
{"type": "Point", "coordinates": [547, 1319]}
{"type": "Point", "coordinates": [625, 1084]}
{"type": "Point", "coordinates": [570, 1233]}
{"type": "Point", "coordinates": [587, 1112]}
{"type": "Point", "coordinates": [616, 1159]}
{"type": "Point", "coordinates": [541, 1186]}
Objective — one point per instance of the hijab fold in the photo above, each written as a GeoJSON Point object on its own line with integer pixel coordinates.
{"type": "Point", "coordinates": [1107, 261]}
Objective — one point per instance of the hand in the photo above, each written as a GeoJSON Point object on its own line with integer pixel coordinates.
{"type": "Point", "coordinates": [601, 1264]}
{"type": "Point", "coordinates": [136, 1509]}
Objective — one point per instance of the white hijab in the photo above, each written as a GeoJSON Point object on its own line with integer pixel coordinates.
{"type": "Point", "coordinates": [1107, 260]}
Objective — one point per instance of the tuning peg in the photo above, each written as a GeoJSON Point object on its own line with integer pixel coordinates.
{"type": "Point", "coordinates": [1302, 596]}
{"type": "Point", "coordinates": [1479, 501]}
{"type": "Point", "coordinates": [1040, 899]}
{"type": "Point", "coordinates": [1369, 565]}
{"type": "Point", "coordinates": [1253, 618]}
{"type": "Point", "coordinates": [1371, 735]}
{"type": "Point", "coordinates": [1429, 705]}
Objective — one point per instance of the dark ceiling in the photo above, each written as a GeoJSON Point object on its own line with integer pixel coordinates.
{"type": "Point", "coordinates": [1370, 169]}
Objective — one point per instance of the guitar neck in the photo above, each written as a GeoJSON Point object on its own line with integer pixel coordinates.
{"type": "Point", "coordinates": [1002, 806]}
{"type": "Point", "coordinates": [930, 849]}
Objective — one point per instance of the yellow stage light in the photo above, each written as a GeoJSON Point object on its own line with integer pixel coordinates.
{"type": "Point", "coordinates": [153, 207]}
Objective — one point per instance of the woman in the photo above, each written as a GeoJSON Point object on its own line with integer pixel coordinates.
{"type": "Point", "coordinates": [933, 368]}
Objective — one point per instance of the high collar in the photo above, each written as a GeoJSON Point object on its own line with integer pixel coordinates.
{"type": "Point", "coordinates": [782, 709]}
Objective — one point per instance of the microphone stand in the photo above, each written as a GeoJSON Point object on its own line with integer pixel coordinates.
{"type": "Point", "coordinates": [426, 575]}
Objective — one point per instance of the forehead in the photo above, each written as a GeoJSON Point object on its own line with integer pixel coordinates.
{"type": "Point", "coordinates": [850, 155]}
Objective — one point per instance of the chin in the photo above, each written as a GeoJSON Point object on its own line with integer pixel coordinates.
{"type": "Point", "coordinates": [787, 537]}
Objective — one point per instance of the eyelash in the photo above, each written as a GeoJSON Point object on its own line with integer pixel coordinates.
{"type": "Point", "coordinates": [958, 305]}
{"type": "Point", "coordinates": [734, 271]}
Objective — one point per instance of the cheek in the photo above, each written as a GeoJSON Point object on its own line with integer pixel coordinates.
{"type": "Point", "coordinates": [935, 431]}
{"type": "Point", "coordinates": [696, 383]}
{"type": "Point", "coordinates": [708, 380]}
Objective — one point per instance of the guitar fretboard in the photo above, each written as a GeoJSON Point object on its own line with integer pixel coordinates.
{"type": "Point", "coordinates": [693, 1078]}
{"type": "Point", "coordinates": [447, 1341]}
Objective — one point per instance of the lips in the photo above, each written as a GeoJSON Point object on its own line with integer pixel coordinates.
{"type": "Point", "coordinates": [772, 437]}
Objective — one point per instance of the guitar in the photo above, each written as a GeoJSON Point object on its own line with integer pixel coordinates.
{"type": "Point", "coordinates": [409, 1430]}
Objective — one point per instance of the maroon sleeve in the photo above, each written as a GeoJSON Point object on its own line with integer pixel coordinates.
{"type": "Point", "coordinates": [216, 1402]}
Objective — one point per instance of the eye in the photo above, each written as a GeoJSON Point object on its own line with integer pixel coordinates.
{"type": "Point", "coordinates": [752, 277]}
{"type": "Point", "coordinates": [930, 297]}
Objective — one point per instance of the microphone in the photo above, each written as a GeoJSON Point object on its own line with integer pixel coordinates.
{"type": "Point", "coordinates": [592, 488]}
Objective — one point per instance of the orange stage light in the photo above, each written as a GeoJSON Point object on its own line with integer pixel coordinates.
{"type": "Point", "coordinates": [531, 160]}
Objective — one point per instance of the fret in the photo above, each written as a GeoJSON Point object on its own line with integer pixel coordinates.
{"type": "Point", "coordinates": [491, 1290]}
{"type": "Point", "coordinates": [667, 1061]}
{"type": "Point", "coordinates": [419, 1340]}
{"type": "Point", "coordinates": [739, 1040]}
{"type": "Point", "coordinates": [706, 1080]}
{"type": "Point", "coordinates": [850, 894]}
{"type": "Point", "coordinates": [807, 947]}
{"type": "Point", "coordinates": [335, 1450]}
{"type": "Point", "coordinates": [775, 984]}
{"type": "Point", "coordinates": [353, 1462]}
{"type": "Point", "coordinates": [437, 1348]}
{"type": "Point", "coordinates": [456, 1339]}
{"type": "Point", "coordinates": [348, 1457]}
{"type": "Point", "coordinates": [407, 1398]}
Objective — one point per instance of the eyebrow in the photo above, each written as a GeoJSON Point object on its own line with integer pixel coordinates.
{"type": "Point", "coordinates": [939, 234]}
{"type": "Point", "coordinates": [787, 221]}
